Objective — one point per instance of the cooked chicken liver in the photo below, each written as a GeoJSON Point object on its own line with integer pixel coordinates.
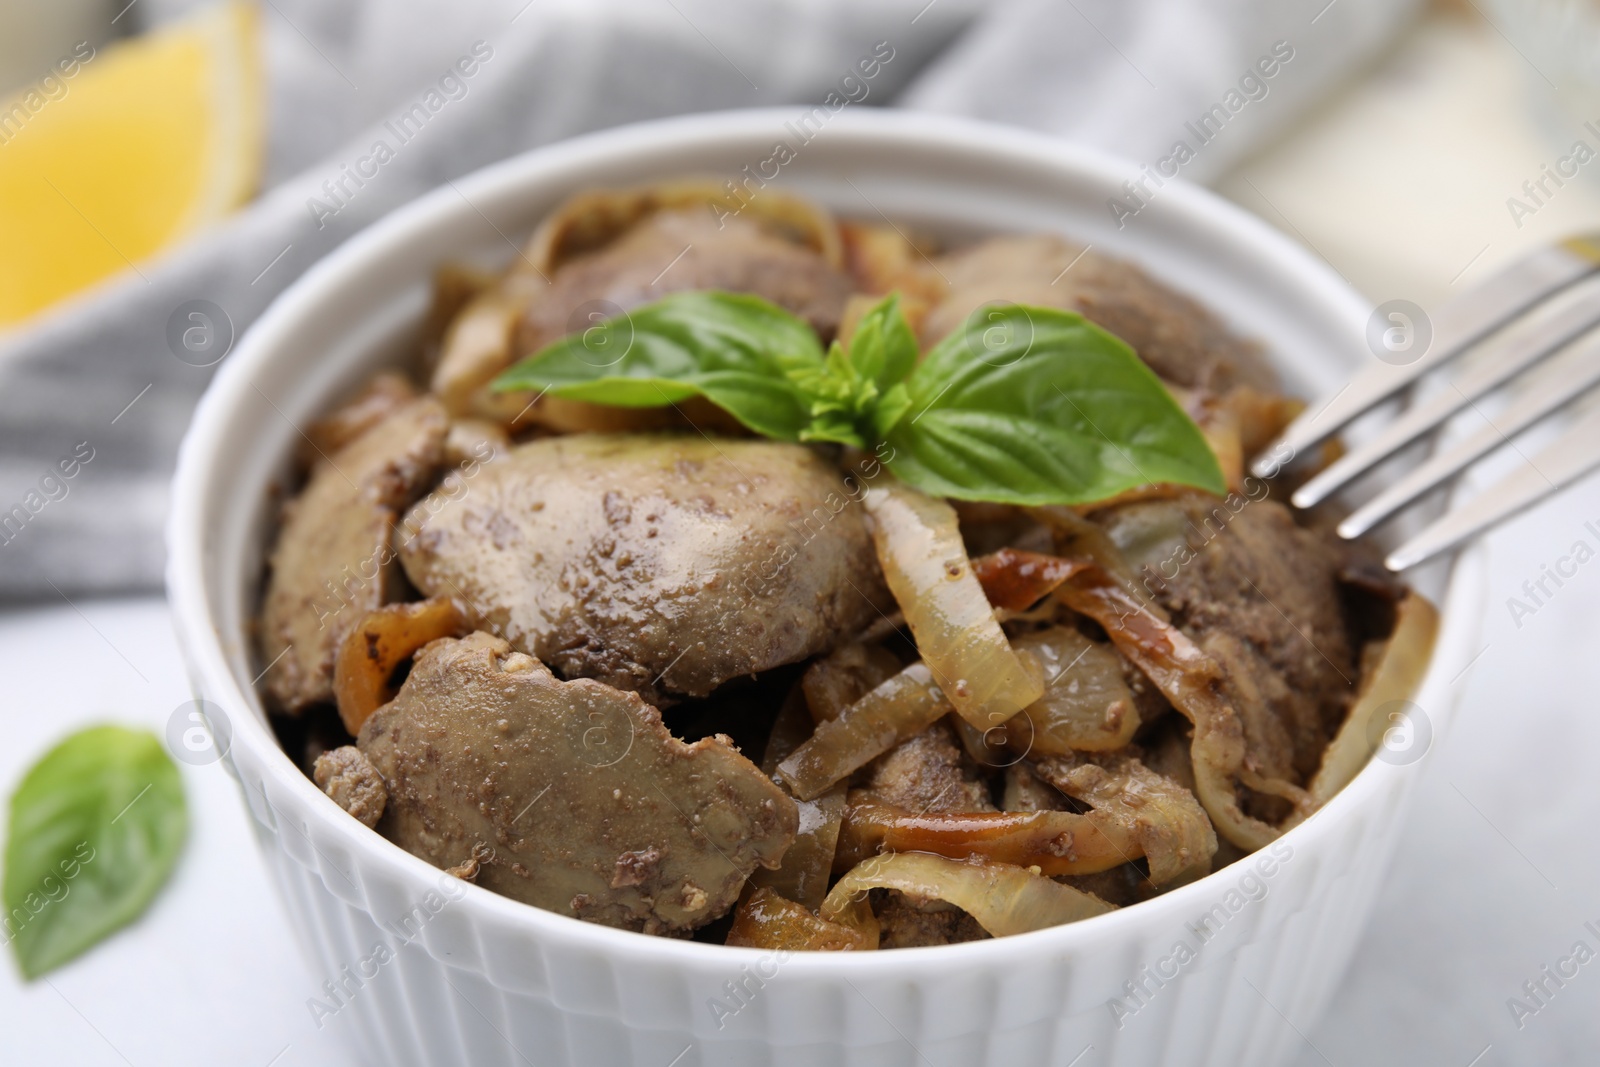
{"type": "Point", "coordinates": [1180, 340]}
{"type": "Point", "coordinates": [686, 249]}
{"type": "Point", "coordinates": [346, 775]}
{"type": "Point", "coordinates": [927, 773]}
{"type": "Point", "coordinates": [333, 562]}
{"type": "Point", "coordinates": [1260, 594]}
{"type": "Point", "coordinates": [656, 564]}
{"type": "Point", "coordinates": [588, 805]}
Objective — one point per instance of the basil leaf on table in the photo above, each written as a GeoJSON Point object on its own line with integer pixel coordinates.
{"type": "Point", "coordinates": [1031, 406]}
{"type": "Point", "coordinates": [737, 351]}
{"type": "Point", "coordinates": [95, 829]}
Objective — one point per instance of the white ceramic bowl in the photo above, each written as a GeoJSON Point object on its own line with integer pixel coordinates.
{"type": "Point", "coordinates": [481, 979]}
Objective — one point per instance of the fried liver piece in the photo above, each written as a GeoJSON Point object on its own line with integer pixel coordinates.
{"type": "Point", "coordinates": [926, 773]}
{"type": "Point", "coordinates": [906, 922]}
{"type": "Point", "coordinates": [656, 564]}
{"type": "Point", "coordinates": [346, 775]}
{"type": "Point", "coordinates": [1180, 340]}
{"type": "Point", "coordinates": [588, 805]}
{"type": "Point", "coordinates": [686, 249]}
{"type": "Point", "coordinates": [333, 562]}
{"type": "Point", "coordinates": [1261, 594]}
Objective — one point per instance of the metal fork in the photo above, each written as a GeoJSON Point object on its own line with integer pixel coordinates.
{"type": "Point", "coordinates": [1533, 321]}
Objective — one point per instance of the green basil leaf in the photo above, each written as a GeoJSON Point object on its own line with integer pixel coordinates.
{"type": "Point", "coordinates": [851, 392]}
{"type": "Point", "coordinates": [834, 426]}
{"type": "Point", "coordinates": [1028, 405]}
{"type": "Point", "coordinates": [738, 351]}
{"type": "Point", "coordinates": [836, 394]}
{"type": "Point", "coordinates": [883, 350]}
{"type": "Point", "coordinates": [96, 827]}
{"type": "Point", "coordinates": [890, 410]}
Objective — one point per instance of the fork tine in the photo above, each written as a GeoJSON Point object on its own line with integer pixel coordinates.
{"type": "Point", "coordinates": [1573, 455]}
{"type": "Point", "coordinates": [1556, 384]}
{"type": "Point", "coordinates": [1533, 338]}
{"type": "Point", "coordinates": [1459, 325]}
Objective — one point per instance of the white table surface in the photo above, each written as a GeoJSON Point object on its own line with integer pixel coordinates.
{"type": "Point", "coordinates": [1400, 183]}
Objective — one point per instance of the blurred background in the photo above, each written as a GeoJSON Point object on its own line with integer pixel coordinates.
{"type": "Point", "coordinates": [156, 155]}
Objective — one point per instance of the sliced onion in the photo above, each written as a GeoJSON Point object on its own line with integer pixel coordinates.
{"type": "Point", "coordinates": [1262, 416]}
{"type": "Point", "coordinates": [900, 708]}
{"type": "Point", "coordinates": [1184, 673]}
{"type": "Point", "coordinates": [765, 919]}
{"type": "Point", "coordinates": [1165, 822]}
{"type": "Point", "coordinates": [1004, 899]}
{"type": "Point", "coordinates": [477, 346]}
{"type": "Point", "coordinates": [378, 644]}
{"type": "Point", "coordinates": [1077, 538]}
{"type": "Point", "coordinates": [1087, 705]}
{"type": "Point", "coordinates": [1189, 679]}
{"type": "Point", "coordinates": [789, 731]}
{"type": "Point", "coordinates": [1056, 842]}
{"type": "Point", "coordinates": [807, 864]}
{"type": "Point", "coordinates": [925, 564]}
{"type": "Point", "coordinates": [1394, 676]}
{"type": "Point", "coordinates": [1014, 580]}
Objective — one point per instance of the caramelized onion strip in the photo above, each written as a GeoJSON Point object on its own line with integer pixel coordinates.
{"type": "Point", "coordinates": [476, 347]}
{"type": "Point", "coordinates": [1087, 705]}
{"type": "Point", "coordinates": [1004, 899]}
{"type": "Point", "coordinates": [807, 864]}
{"type": "Point", "coordinates": [378, 644]}
{"type": "Point", "coordinates": [900, 708]}
{"type": "Point", "coordinates": [925, 564]}
{"type": "Point", "coordinates": [1013, 580]}
{"type": "Point", "coordinates": [766, 919]}
{"type": "Point", "coordinates": [1056, 842]}
{"type": "Point", "coordinates": [1161, 817]}
{"type": "Point", "coordinates": [1186, 675]}
{"type": "Point", "coordinates": [1189, 679]}
{"type": "Point", "coordinates": [1394, 676]}
{"type": "Point", "coordinates": [802, 876]}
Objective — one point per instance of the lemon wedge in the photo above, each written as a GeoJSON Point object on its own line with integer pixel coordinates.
{"type": "Point", "coordinates": [118, 153]}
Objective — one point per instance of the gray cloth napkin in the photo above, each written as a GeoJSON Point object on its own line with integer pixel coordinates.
{"type": "Point", "coordinates": [95, 394]}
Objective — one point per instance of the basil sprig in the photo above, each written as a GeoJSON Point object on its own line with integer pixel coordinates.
{"type": "Point", "coordinates": [96, 827]}
{"type": "Point", "coordinates": [1021, 405]}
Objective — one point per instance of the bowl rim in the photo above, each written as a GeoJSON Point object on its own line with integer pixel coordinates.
{"type": "Point", "coordinates": [253, 742]}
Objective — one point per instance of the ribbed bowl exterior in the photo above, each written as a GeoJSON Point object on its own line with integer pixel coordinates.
{"type": "Point", "coordinates": [459, 992]}
{"type": "Point", "coordinates": [1228, 970]}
